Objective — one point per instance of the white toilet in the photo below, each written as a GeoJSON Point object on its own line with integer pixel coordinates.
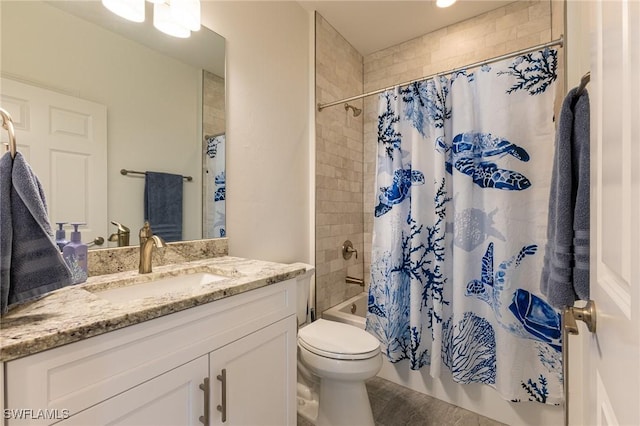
{"type": "Point", "coordinates": [334, 360]}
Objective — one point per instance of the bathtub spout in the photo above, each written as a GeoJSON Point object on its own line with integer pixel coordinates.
{"type": "Point", "coordinates": [353, 280]}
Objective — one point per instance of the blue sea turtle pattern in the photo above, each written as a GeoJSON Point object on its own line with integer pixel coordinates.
{"type": "Point", "coordinates": [469, 153]}
{"type": "Point", "coordinates": [399, 190]}
{"type": "Point", "coordinates": [532, 317]}
{"type": "Point", "coordinates": [456, 257]}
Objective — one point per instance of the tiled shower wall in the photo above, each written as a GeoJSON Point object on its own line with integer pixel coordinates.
{"type": "Point", "coordinates": [213, 119]}
{"type": "Point", "coordinates": [339, 156]}
{"type": "Point", "coordinates": [346, 159]}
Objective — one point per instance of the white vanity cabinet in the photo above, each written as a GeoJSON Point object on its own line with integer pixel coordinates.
{"type": "Point", "coordinates": [248, 376]}
{"type": "Point", "coordinates": [153, 373]}
{"type": "Point", "coordinates": [173, 398]}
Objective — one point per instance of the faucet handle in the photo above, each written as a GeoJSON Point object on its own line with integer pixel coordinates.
{"type": "Point", "coordinates": [122, 236]}
{"type": "Point", "coordinates": [121, 227]}
{"type": "Point", "coordinates": [145, 232]}
{"type": "Point", "coordinates": [348, 250]}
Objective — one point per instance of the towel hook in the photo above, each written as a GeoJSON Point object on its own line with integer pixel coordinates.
{"type": "Point", "coordinates": [7, 123]}
{"type": "Point", "coordinates": [583, 82]}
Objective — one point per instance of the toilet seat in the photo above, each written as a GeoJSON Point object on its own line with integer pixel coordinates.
{"type": "Point", "coordinates": [336, 340]}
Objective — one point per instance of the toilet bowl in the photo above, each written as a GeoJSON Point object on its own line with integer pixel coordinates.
{"type": "Point", "coordinates": [334, 360]}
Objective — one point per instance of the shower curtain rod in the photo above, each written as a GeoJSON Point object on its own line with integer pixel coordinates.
{"type": "Point", "coordinates": [559, 41]}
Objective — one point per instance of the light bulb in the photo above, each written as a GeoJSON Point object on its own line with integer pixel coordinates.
{"type": "Point", "coordinates": [444, 3]}
{"type": "Point", "coordinates": [133, 10]}
{"type": "Point", "coordinates": [163, 20]}
{"type": "Point", "coordinates": [186, 13]}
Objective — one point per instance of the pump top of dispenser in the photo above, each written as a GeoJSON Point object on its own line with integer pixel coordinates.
{"type": "Point", "coordinates": [61, 235]}
{"type": "Point", "coordinates": [60, 232]}
{"type": "Point", "coordinates": [76, 237]}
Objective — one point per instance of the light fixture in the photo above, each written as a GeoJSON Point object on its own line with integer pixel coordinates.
{"type": "Point", "coordinates": [133, 10]}
{"type": "Point", "coordinates": [186, 13]}
{"type": "Point", "coordinates": [164, 21]}
{"type": "Point", "coordinates": [176, 18]}
{"type": "Point", "coordinates": [444, 3]}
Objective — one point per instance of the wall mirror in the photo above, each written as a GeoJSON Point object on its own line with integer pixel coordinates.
{"type": "Point", "coordinates": [159, 105]}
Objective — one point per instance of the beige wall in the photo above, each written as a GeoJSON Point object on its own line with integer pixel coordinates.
{"type": "Point", "coordinates": [267, 112]}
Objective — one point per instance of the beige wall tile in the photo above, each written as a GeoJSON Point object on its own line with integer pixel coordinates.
{"type": "Point", "coordinates": [339, 163]}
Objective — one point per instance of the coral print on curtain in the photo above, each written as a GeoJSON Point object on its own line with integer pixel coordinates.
{"type": "Point", "coordinates": [215, 186]}
{"type": "Point", "coordinates": [463, 174]}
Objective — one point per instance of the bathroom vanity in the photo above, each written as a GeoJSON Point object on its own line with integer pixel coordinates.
{"type": "Point", "coordinates": [219, 350]}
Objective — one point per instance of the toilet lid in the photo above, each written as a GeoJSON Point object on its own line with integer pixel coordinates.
{"type": "Point", "coordinates": [333, 339]}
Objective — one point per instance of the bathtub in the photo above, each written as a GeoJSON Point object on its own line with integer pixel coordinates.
{"type": "Point", "coordinates": [351, 311]}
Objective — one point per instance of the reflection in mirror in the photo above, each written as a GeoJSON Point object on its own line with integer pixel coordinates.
{"type": "Point", "coordinates": [92, 93]}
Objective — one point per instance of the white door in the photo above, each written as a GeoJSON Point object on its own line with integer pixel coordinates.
{"type": "Point", "coordinates": [253, 380]}
{"type": "Point", "coordinates": [173, 398]}
{"type": "Point", "coordinates": [64, 139]}
{"type": "Point", "coordinates": [613, 366]}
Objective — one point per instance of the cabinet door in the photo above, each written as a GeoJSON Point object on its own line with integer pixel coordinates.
{"type": "Point", "coordinates": [173, 398]}
{"type": "Point", "coordinates": [253, 379]}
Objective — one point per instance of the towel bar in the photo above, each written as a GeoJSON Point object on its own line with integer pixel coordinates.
{"type": "Point", "coordinates": [7, 124]}
{"type": "Point", "coordinates": [133, 172]}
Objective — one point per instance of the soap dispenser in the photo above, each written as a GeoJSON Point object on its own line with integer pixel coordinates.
{"type": "Point", "coordinates": [61, 235]}
{"type": "Point", "coordinates": [75, 255]}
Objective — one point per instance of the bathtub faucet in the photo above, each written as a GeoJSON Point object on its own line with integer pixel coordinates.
{"type": "Point", "coordinates": [354, 280]}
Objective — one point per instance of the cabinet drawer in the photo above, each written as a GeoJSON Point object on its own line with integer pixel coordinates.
{"type": "Point", "coordinates": [79, 375]}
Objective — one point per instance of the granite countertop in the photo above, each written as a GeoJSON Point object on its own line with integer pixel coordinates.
{"type": "Point", "coordinates": [77, 312]}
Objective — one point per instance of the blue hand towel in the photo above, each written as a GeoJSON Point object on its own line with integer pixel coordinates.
{"type": "Point", "coordinates": [565, 273]}
{"type": "Point", "coordinates": [30, 262]}
{"type": "Point", "coordinates": [163, 204]}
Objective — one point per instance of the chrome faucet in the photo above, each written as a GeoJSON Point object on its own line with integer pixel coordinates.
{"type": "Point", "coordinates": [146, 252]}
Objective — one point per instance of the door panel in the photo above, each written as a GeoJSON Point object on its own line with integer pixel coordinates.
{"type": "Point", "coordinates": [64, 139]}
{"type": "Point", "coordinates": [614, 356]}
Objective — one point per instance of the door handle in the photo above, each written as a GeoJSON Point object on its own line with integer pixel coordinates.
{"type": "Point", "coordinates": [586, 315]}
{"type": "Point", "coordinates": [222, 377]}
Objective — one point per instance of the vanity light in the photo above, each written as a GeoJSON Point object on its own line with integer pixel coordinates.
{"type": "Point", "coordinates": [176, 18]}
{"type": "Point", "coordinates": [133, 10]}
{"type": "Point", "coordinates": [164, 21]}
{"type": "Point", "coordinates": [444, 3]}
{"type": "Point", "coordinates": [186, 13]}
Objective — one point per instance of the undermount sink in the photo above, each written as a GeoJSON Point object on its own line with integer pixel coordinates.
{"type": "Point", "coordinates": [162, 286]}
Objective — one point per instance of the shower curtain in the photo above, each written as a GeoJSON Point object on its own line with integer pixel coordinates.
{"type": "Point", "coordinates": [215, 183]}
{"type": "Point", "coordinates": [463, 174]}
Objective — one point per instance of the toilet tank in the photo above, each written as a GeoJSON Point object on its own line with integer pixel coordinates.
{"type": "Point", "coordinates": [304, 290]}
